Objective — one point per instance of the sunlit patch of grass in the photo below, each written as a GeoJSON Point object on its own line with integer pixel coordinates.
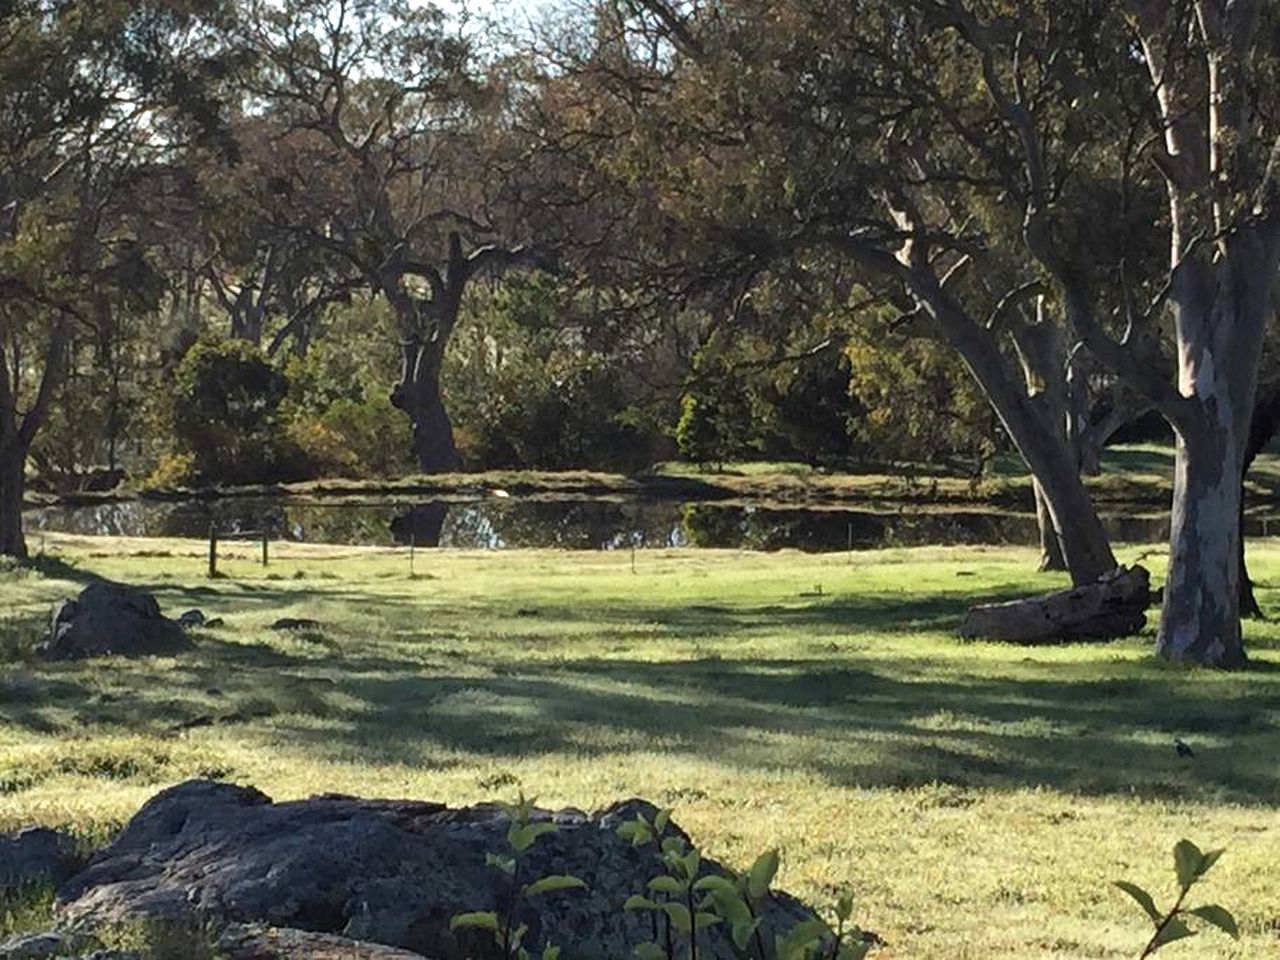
{"type": "Point", "coordinates": [979, 796]}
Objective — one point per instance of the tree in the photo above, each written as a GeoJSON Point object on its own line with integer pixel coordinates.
{"type": "Point", "coordinates": [89, 96]}
{"type": "Point", "coordinates": [772, 133]}
{"type": "Point", "coordinates": [379, 121]}
{"type": "Point", "coordinates": [1208, 66]}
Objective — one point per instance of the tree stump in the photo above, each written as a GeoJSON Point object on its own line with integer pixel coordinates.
{"type": "Point", "coordinates": [1114, 606]}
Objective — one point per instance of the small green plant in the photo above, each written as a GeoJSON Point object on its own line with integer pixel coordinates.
{"type": "Point", "coordinates": [683, 904]}
{"type": "Point", "coordinates": [1191, 865]}
{"type": "Point", "coordinates": [507, 935]}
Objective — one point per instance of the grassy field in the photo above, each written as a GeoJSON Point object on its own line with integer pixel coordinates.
{"type": "Point", "coordinates": [977, 797]}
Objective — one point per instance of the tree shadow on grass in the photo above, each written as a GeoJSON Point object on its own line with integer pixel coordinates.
{"type": "Point", "coordinates": [1089, 727]}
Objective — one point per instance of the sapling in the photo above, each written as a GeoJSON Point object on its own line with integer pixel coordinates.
{"type": "Point", "coordinates": [522, 832]}
{"type": "Point", "coordinates": [1191, 865]}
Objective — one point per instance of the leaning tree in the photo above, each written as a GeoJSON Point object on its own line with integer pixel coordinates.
{"type": "Point", "coordinates": [764, 133]}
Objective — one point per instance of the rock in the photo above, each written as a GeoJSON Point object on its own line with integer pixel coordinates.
{"type": "Point", "coordinates": [1114, 606]}
{"type": "Point", "coordinates": [111, 618]}
{"type": "Point", "coordinates": [36, 946]}
{"type": "Point", "coordinates": [390, 872]}
{"type": "Point", "coordinates": [191, 618]}
{"type": "Point", "coordinates": [240, 942]}
{"type": "Point", "coordinates": [295, 623]}
{"type": "Point", "coordinates": [48, 944]}
{"type": "Point", "coordinates": [213, 623]}
{"type": "Point", "coordinates": [36, 856]}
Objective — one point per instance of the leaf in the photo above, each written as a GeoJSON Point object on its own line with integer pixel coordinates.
{"type": "Point", "coordinates": [1220, 917]}
{"type": "Point", "coordinates": [672, 846]}
{"type": "Point", "coordinates": [800, 937]}
{"type": "Point", "coordinates": [1175, 929]}
{"type": "Point", "coordinates": [856, 950]}
{"type": "Point", "coordinates": [679, 916]}
{"type": "Point", "coordinates": [522, 837]}
{"type": "Point", "coordinates": [1144, 899]}
{"type": "Point", "coordinates": [661, 820]}
{"type": "Point", "coordinates": [665, 884]}
{"type": "Point", "coordinates": [638, 833]}
{"type": "Point", "coordinates": [1187, 861]}
{"type": "Point", "coordinates": [637, 902]}
{"type": "Point", "coordinates": [717, 884]}
{"type": "Point", "coordinates": [730, 906]}
{"type": "Point", "coordinates": [743, 932]}
{"type": "Point", "coordinates": [553, 882]}
{"type": "Point", "coordinates": [1209, 859]}
{"type": "Point", "coordinates": [506, 864]}
{"type": "Point", "coordinates": [550, 953]}
{"type": "Point", "coordinates": [482, 920]}
{"type": "Point", "coordinates": [762, 873]}
{"type": "Point", "coordinates": [702, 919]}
{"type": "Point", "coordinates": [844, 907]}
{"type": "Point", "coordinates": [649, 951]}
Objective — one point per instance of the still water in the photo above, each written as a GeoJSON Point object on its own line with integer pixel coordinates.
{"type": "Point", "coordinates": [576, 524]}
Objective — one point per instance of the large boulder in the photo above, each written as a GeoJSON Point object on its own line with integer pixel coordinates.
{"type": "Point", "coordinates": [36, 856]}
{"type": "Point", "coordinates": [389, 872]}
{"type": "Point", "coordinates": [111, 618]}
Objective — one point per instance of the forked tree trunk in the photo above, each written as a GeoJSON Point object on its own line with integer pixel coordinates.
{"type": "Point", "coordinates": [1079, 532]}
{"type": "Point", "coordinates": [12, 485]}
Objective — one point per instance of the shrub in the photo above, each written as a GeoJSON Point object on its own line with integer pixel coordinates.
{"type": "Point", "coordinates": [226, 405]}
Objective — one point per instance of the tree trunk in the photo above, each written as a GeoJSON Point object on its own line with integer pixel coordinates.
{"type": "Point", "coordinates": [13, 462]}
{"type": "Point", "coordinates": [1200, 620]}
{"type": "Point", "coordinates": [1108, 608]}
{"type": "Point", "coordinates": [1050, 549]}
{"type": "Point", "coordinates": [1080, 534]}
{"type": "Point", "coordinates": [1265, 423]}
{"type": "Point", "coordinates": [1220, 310]}
{"type": "Point", "coordinates": [418, 395]}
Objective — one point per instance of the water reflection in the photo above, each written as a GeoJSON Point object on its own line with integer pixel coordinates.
{"type": "Point", "coordinates": [582, 524]}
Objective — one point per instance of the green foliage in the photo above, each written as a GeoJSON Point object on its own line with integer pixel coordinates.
{"type": "Point", "coordinates": [716, 420]}
{"type": "Point", "coordinates": [533, 381]}
{"type": "Point", "coordinates": [684, 902]}
{"type": "Point", "coordinates": [226, 413]}
{"type": "Point", "coordinates": [502, 926]}
{"type": "Point", "coordinates": [1190, 865]}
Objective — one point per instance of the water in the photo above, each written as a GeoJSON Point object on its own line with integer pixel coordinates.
{"type": "Point", "coordinates": [575, 524]}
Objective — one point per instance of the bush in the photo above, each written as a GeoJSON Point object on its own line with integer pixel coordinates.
{"type": "Point", "coordinates": [226, 415]}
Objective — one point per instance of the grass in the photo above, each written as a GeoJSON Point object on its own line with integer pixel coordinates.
{"type": "Point", "coordinates": [979, 798]}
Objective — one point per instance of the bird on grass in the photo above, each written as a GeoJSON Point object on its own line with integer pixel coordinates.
{"type": "Point", "coordinates": [1182, 748]}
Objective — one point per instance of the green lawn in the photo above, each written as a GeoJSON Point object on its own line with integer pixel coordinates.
{"type": "Point", "coordinates": [978, 797]}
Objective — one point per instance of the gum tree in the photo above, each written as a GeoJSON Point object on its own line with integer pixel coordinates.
{"type": "Point", "coordinates": [91, 98]}
{"type": "Point", "coordinates": [379, 112]}
{"type": "Point", "coordinates": [769, 134]}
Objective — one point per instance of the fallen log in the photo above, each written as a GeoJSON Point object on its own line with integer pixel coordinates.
{"type": "Point", "coordinates": [1114, 606]}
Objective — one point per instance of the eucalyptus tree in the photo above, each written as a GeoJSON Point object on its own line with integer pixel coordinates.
{"type": "Point", "coordinates": [764, 133]}
{"type": "Point", "coordinates": [1116, 158]}
{"type": "Point", "coordinates": [92, 97]}
{"type": "Point", "coordinates": [380, 110]}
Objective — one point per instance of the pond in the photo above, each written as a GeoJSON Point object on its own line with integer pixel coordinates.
{"type": "Point", "coordinates": [576, 524]}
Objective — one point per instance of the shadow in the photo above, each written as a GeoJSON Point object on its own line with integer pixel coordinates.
{"type": "Point", "coordinates": [799, 686]}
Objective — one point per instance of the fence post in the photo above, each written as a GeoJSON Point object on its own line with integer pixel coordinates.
{"type": "Point", "coordinates": [266, 533]}
{"type": "Point", "coordinates": [213, 550]}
